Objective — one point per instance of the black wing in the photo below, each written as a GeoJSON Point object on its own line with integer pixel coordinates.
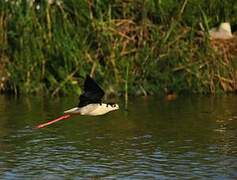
{"type": "Point", "coordinates": [92, 93]}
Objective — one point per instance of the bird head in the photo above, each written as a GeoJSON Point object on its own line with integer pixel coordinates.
{"type": "Point", "coordinates": [112, 106]}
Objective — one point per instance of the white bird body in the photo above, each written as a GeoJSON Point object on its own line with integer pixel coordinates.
{"type": "Point", "coordinates": [93, 109]}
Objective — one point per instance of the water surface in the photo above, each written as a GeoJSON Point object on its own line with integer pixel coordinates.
{"type": "Point", "coordinates": [192, 137]}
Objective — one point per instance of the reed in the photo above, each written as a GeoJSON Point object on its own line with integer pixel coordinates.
{"type": "Point", "coordinates": [132, 47]}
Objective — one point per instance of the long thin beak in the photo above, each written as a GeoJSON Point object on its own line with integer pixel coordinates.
{"type": "Point", "coordinates": [54, 121]}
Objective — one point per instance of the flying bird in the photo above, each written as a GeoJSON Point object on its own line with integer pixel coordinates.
{"type": "Point", "coordinates": [90, 103]}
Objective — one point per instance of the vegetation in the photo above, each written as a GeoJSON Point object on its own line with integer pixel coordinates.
{"type": "Point", "coordinates": [140, 47]}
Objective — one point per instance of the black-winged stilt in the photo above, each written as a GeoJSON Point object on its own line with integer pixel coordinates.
{"type": "Point", "coordinates": [90, 103]}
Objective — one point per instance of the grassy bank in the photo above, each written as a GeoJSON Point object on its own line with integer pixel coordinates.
{"type": "Point", "coordinates": [137, 47]}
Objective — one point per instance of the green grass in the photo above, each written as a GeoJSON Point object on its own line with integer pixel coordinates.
{"type": "Point", "coordinates": [131, 47]}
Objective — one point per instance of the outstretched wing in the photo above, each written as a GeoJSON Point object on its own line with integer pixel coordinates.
{"type": "Point", "coordinates": [92, 93]}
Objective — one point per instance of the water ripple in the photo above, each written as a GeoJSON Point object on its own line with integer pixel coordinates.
{"type": "Point", "coordinates": [152, 141]}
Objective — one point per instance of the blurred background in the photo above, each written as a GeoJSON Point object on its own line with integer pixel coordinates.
{"type": "Point", "coordinates": [140, 47]}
